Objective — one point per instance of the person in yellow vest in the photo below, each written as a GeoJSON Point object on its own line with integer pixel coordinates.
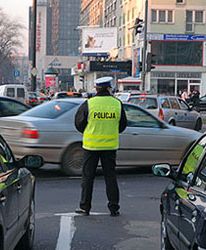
{"type": "Point", "coordinates": [100, 119]}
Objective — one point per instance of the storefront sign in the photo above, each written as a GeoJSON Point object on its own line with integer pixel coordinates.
{"type": "Point", "coordinates": [111, 66]}
{"type": "Point", "coordinates": [176, 37]}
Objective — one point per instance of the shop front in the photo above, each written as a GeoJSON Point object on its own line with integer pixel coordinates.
{"type": "Point", "coordinates": [173, 83]}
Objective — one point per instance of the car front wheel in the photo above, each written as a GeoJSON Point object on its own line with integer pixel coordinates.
{"type": "Point", "coordinates": [165, 243]}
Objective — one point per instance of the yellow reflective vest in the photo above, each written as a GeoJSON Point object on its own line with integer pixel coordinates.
{"type": "Point", "coordinates": [102, 130]}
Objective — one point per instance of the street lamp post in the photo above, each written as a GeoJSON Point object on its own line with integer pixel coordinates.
{"type": "Point", "coordinates": [33, 71]}
{"type": "Point", "coordinates": [144, 47]}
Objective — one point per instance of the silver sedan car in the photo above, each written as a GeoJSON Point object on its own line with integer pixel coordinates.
{"type": "Point", "coordinates": [48, 130]}
{"type": "Point", "coordinates": [171, 109]}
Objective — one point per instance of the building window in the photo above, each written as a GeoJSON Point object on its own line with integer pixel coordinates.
{"type": "Point", "coordinates": [128, 15]}
{"type": "Point", "coordinates": [180, 1]}
{"type": "Point", "coordinates": [178, 53]}
{"type": "Point", "coordinates": [162, 16]}
{"type": "Point", "coordinates": [199, 16]}
{"type": "Point", "coordinates": [133, 12]}
{"type": "Point", "coordinates": [192, 17]}
{"type": "Point", "coordinates": [120, 21]}
{"type": "Point", "coordinates": [170, 16]}
{"type": "Point", "coordinates": [123, 18]}
{"type": "Point", "coordinates": [154, 16]}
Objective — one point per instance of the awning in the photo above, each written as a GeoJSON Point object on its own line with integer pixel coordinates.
{"type": "Point", "coordinates": [129, 80]}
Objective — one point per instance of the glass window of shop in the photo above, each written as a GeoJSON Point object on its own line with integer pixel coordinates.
{"type": "Point", "coordinates": [166, 86]}
{"type": "Point", "coordinates": [177, 52]}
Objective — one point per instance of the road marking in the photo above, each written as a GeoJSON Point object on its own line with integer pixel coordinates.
{"type": "Point", "coordinates": [67, 229]}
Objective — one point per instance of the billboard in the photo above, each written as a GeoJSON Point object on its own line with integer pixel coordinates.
{"type": "Point", "coordinates": [98, 41]}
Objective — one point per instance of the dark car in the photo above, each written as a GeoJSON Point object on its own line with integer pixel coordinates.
{"type": "Point", "coordinates": [11, 107]}
{"type": "Point", "coordinates": [183, 202]}
{"type": "Point", "coordinates": [201, 104]}
{"type": "Point", "coordinates": [33, 99]}
{"type": "Point", "coordinates": [17, 185]}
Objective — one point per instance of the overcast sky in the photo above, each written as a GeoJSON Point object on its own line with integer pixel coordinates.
{"type": "Point", "coordinates": [18, 9]}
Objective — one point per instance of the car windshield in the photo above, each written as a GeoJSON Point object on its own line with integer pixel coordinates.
{"type": "Point", "coordinates": [50, 110]}
{"type": "Point", "coordinates": [145, 102]}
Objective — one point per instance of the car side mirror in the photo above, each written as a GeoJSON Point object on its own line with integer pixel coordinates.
{"type": "Point", "coordinates": [31, 161]}
{"type": "Point", "coordinates": [162, 170]}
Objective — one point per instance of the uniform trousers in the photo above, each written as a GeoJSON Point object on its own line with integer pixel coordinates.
{"type": "Point", "coordinates": [108, 163]}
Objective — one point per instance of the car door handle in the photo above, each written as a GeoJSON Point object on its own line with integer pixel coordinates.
{"type": "Point", "coordinates": [2, 198]}
{"type": "Point", "coordinates": [177, 204]}
{"type": "Point", "coordinates": [194, 216]}
{"type": "Point", "coordinates": [135, 133]}
{"type": "Point", "coordinates": [19, 187]}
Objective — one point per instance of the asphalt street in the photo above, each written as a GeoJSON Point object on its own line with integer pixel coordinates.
{"type": "Point", "coordinates": [58, 227]}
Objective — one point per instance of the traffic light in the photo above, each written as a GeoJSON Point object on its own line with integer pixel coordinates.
{"type": "Point", "coordinates": [150, 61]}
{"type": "Point", "coordinates": [138, 25]}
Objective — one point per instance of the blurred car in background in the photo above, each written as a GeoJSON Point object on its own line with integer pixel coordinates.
{"type": "Point", "coordinates": [66, 94]}
{"type": "Point", "coordinates": [201, 104]}
{"type": "Point", "coordinates": [32, 99]}
{"type": "Point", "coordinates": [10, 107]}
{"type": "Point", "coordinates": [17, 205]}
{"type": "Point", "coordinates": [124, 96]}
{"type": "Point", "coordinates": [171, 109]}
{"type": "Point", "coordinates": [48, 130]}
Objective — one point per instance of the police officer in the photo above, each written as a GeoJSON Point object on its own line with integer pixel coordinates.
{"type": "Point", "coordinates": [100, 119]}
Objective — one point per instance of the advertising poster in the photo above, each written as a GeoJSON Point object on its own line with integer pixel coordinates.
{"type": "Point", "coordinates": [98, 41]}
{"type": "Point", "coordinates": [50, 81]}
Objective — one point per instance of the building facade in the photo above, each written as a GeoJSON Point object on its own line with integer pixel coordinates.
{"type": "Point", "coordinates": [57, 40]}
{"type": "Point", "coordinates": [177, 39]}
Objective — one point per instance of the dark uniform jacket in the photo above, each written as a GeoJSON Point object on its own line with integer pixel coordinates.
{"type": "Point", "coordinates": [81, 116]}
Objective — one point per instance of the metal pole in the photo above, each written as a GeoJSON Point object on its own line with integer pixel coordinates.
{"type": "Point", "coordinates": [144, 55]}
{"type": "Point", "coordinates": [33, 75]}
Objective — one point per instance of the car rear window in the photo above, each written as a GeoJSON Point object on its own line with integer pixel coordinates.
{"type": "Point", "coordinates": [145, 102]}
{"type": "Point", "coordinates": [51, 110]}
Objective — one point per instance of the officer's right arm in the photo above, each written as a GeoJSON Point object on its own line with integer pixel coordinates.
{"type": "Point", "coordinates": [81, 117]}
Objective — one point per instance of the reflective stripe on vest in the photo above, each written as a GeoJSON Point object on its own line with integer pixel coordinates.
{"type": "Point", "coordinates": [102, 131]}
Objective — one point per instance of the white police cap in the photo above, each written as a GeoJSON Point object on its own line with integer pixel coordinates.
{"type": "Point", "coordinates": [103, 81]}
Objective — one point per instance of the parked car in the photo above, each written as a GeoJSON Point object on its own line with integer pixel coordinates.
{"type": "Point", "coordinates": [48, 130]}
{"type": "Point", "coordinates": [32, 99]}
{"type": "Point", "coordinates": [17, 187]}
{"type": "Point", "coordinates": [15, 91]}
{"type": "Point", "coordinates": [66, 94]}
{"type": "Point", "coordinates": [10, 107]}
{"type": "Point", "coordinates": [183, 202]}
{"type": "Point", "coordinates": [171, 109]}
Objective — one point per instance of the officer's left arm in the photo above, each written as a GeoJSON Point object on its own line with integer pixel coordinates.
{"type": "Point", "coordinates": [123, 120]}
{"type": "Point", "coordinates": [81, 117]}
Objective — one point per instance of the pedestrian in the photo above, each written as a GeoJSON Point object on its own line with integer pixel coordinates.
{"type": "Point", "coordinates": [184, 95]}
{"type": "Point", "coordinates": [195, 99]}
{"type": "Point", "coordinates": [100, 119]}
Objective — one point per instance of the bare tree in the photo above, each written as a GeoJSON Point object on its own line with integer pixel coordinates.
{"type": "Point", "coordinates": [10, 40]}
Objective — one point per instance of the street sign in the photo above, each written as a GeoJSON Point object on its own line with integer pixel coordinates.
{"type": "Point", "coordinates": [16, 73]}
{"type": "Point", "coordinates": [34, 71]}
